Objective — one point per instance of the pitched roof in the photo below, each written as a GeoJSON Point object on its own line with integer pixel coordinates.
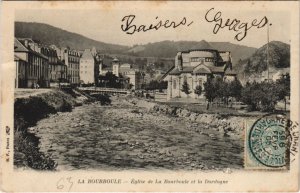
{"type": "Point", "coordinates": [201, 70]}
{"type": "Point", "coordinates": [216, 69]}
{"type": "Point", "coordinates": [19, 47]}
{"type": "Point", "coordinates": [185, 69]}
{"type": "Point", "coordinates": [87, 54]}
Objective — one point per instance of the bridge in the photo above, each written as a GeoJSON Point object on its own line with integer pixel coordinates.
{"type": "Point", "coordinates": [100, 90]}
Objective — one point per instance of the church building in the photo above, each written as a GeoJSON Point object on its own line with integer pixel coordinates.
{"type": "Point", "coordinates": [194, 67]}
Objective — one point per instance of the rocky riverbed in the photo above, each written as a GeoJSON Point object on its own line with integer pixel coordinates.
{"type": "Point", "coordinates": [133, 134]}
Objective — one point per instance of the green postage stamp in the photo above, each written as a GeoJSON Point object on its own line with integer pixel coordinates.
{"type": "Point", "coordinates": [267, 143]}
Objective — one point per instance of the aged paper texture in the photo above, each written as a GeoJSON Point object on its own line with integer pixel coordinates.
{"type": "Point", "coordinates": [149, 96]}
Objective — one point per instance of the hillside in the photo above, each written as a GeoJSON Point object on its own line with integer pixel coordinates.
{"type": "Point", "coordinates": [168, 49]}
{"type": "Point", "coordinates": [279, 57]}
{"type": "Point", "coordinates": [53, 35]}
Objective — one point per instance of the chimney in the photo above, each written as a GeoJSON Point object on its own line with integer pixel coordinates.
{"type": "Point", "coordinates": [26, 43]}
{"type": "Point", "coordinates": [180, 62]}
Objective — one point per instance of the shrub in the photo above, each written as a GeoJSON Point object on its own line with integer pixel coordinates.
{"type": "Point", "coordinates": [31, 109]}
{"type": "Point", "coordinates": [27, 153]}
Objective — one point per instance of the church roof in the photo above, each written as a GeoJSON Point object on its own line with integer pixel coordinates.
{"type": "Point", "coordinates": [201, 70]}
{"type": "Point", "coordinates": [217, 69]}
{"type": "Point", "coordinates": [191, 69]}
{"type": "Point", "coordinates": [185, 69]}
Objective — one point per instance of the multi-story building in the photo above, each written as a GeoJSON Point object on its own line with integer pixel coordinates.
{"type": "Point", "coordinates": [73, 66]}
{"type": "Point", "coordinates": [58, 70]}
{"type": "Point", "coordinates": [87, 67]}
{"type": "Point", "coordinates": [116, 67]}
{"type": "Point", "coordinates": [134, 75]}
{"type": "Point", "coordinates": [32, 66]}
{"type": "Point", "coordinates": [135, 78]}
{"type": "Point", "coordinates": [72, 59]}
{"type": "Point", "coordinates": [21, 72]}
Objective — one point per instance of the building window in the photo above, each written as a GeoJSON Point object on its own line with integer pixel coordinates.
{"type": "Point", "coordinates": [195, 59]}
{"type": "Point", "coordinates": [200, 82]}
{"type": "Point", "coordinates": [202, 61]}
{"type": "Point", "coordinates": [209, 59]}
{"type": "Point", "coordinates": [174, 84]}
{"type": "Point", "coordinates": [184, 79]}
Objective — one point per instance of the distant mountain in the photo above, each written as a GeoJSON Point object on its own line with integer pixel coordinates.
{"type": "Point", "coordinates": [52, 35]}
{"type": "Point", "coordinates": [279, 57]}
{"type": "Point", "coordinates": [168, 49]}
{"type": "Point", "coordinates": [48, 34]}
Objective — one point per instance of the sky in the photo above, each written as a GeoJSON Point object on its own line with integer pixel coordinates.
{"type": "Point", "coordinates": [105, 25]}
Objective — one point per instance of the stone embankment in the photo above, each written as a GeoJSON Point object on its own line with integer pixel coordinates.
{"type": "Point", "coordinates": [230, 125]}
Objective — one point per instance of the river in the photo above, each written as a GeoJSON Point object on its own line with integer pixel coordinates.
{"type": "Point", "coordinates": [123, 136]}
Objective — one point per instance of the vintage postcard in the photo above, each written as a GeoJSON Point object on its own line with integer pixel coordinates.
{"type": "Point", "coordinates": [160, 96]}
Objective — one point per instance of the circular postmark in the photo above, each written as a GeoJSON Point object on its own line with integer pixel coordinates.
{"type": "Point", "coordinates": [268, 140]}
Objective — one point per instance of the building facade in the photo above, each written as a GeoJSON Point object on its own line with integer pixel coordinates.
{"type": "Point", "coordinates": [134, 76]}
{"type": "Point", "coordinates": [135, 79]}
{"type": "Point", "coordinates": [116, 67]}
{"type": "Point", "coordinates": [73, 66]}
{"type": "Point", "coordinates": [195, 67]}
{"type": "Point", "coordinates": [58, 69]}
{"type": "Point", "coordinates": [32, 66]}
{"type": "Point", "coordinates": [21, 72]}
{"type": "Point", "coordinates": [87, 67]}
{"type": "Point", "coordinates": [71, 58]}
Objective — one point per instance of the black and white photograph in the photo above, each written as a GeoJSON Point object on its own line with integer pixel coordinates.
{"type": "Point", "coordinates": [163, 87]}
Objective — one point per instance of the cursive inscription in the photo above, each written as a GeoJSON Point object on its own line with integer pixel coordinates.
{"type": "Point", "coordinates": [130, 28]}
{"type": "Point", "coordinates": [236, 25]}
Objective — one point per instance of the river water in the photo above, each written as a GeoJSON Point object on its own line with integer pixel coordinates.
{"type": "Point", "coordinates": [123, 136]}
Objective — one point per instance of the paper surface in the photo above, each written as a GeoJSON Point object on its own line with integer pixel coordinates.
{"type": "Point", "coordinates": [180, 139]}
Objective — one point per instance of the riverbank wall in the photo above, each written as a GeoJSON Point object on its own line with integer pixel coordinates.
{"type": "Point", "coordinates": [27, 112]}
{"type": "Point", "coordinates": [226, 123]}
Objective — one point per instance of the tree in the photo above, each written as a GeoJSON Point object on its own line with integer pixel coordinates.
{"type": "Point", "coordinates": [209, 93]}
{"type": "Point", "coordinates": [198, 90]}
{"type": "Point", "coordinates": [217, 88]}
{"type": "Point", "coordinates": [260, 96]}
{"type": "Point", "coordinates": [224, 91]}
{"type": "Point", "coordinates": [249, 94]}
{"type": "Point", "coordinates": [283, 88]}
{"type": "Point", "coordinates": [235, 89]}
{"type": "Point", "coordinates": [109, 80]}
{"type": "Point", "coordinates": [185, 88]}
